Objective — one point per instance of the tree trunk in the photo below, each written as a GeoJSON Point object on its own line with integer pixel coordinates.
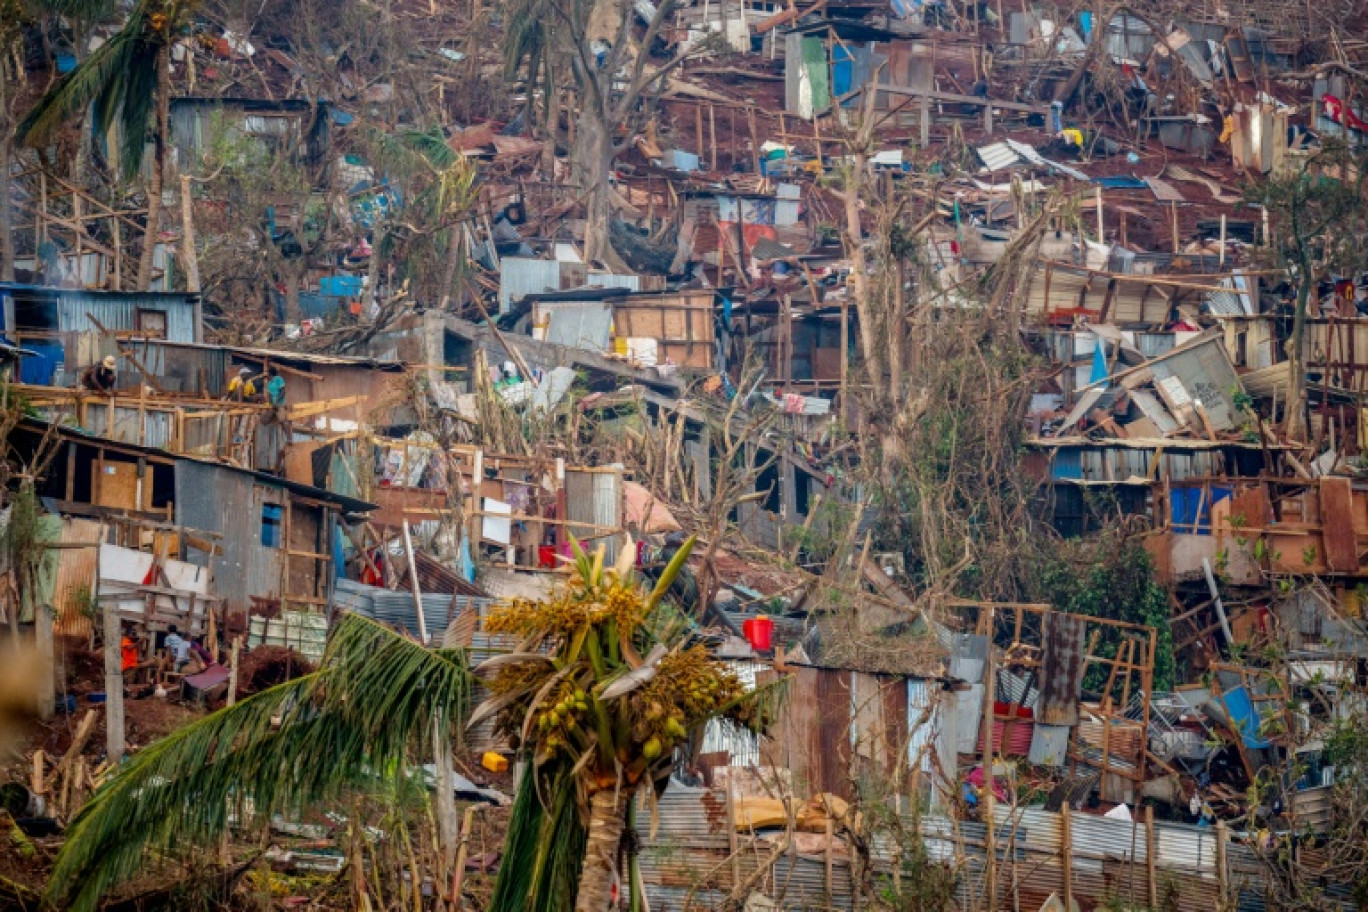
{"type": "Point", "coordinates": [606, 822]}
{"type": "Point", "coordinates": [292, 280]}
{"type": "Point", "coordinates": [455, 255]}
{"type": "Point", "coordinates": [858, 283]}
{"type": "Point", "coordinates": [447, 821]}
{"type": "Point", "coordinates": [1296, 393]}
{"type": "Point", "coordinates": [154, 189]}
{"type": "Point", "coordinates": [591, 164]}
{"type": "Point", "coordinates": [6, 212]}
{"type": "Point", "coordinates": [188, 254]}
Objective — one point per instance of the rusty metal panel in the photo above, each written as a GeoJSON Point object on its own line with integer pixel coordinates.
{"type": "Point", "coordinates": [1337, 523]}
{"type": "Point", "coordinates": [829, 740]}
{"type": "Point", "coordinates": [1061, 676]}
{"type": "Point", "coordinates": [76, 578]}
{"type": "Point", "coordinates": [787, 746]}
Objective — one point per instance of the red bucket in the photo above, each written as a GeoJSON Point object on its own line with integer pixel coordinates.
{"type": "Point", "coordinates": [758, 630]}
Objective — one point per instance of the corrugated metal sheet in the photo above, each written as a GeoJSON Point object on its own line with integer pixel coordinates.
{"type": "Point", "coordinates": [921, 732]}
{"type": "Point", "coordinates": [689, 851]}
{"type": "Point", "coordinates": [1129, 37]}
{"type": "Point", "coordinates": [520, 277]}
{"type": "Point", "coordinates": [595, 497]}
{"type": "Point", "coordinates": [577, 324]}
{"type": "Point", "coordinates": [219, 499]}
{"type": "Point", "coordinates": [120, 312]}
{"type": "Point", "coordinates": [145, 427]}
{"type": "Point", "coordinates": [998, 156]}
{"type": "Point", "coordinates": [741, 745]}
{"type": "Point", "coordinates": [1049, 745]}
{"type": "Point", "coordinates": [1011, 737]}
{"type": "Point", "coordinates": [73, 594]}
{"type": "Point", "coordinates": [1205, 371]}
{"type": "Point", "coordinates": [396, 609]}
{"type": "Point", "coordinates": [610, 280]}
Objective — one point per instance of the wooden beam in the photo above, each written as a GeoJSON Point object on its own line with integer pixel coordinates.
{"type": "Point", "coordinates": [283, 368]}
{"type": "Point", "coordinates": [934, 95]}
{"type": "Point", "coordinates": [313, 409]}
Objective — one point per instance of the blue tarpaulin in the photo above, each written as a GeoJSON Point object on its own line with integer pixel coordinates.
{"type": "Point", "coordinates": [1099, 365]}
{"type": "Point", "coordinates": [1244, 717]}
{"type": "Point", "coordinates": [340, 286]}
{"type": "Point", "coordinates": [39, 367]}
{"type": "Point", "coordinates": [1190, 509]}
{"type": "Point", "coordinates": [1121, 182]}
{"type": "Point", "coordinates": [842, 70]}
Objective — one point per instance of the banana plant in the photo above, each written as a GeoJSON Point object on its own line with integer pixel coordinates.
{"type": "Point", "coordinates": [603, 688]}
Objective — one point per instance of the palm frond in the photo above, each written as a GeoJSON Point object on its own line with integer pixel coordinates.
{"type": "Point", "coordinates": [755, 710]}
{"type": "Point", "coordinates": [544, 848]}
{"type": "Point", "coordinates": [528, 35]}
{"type": "Point", "coordinates": [134, 97]}
{"type": "Point", "coordinates": [432, 145]}
{"type": "Point", "coordinates": [354, 720]}
{"type": "Point", "coordinates": [85, 10]}
{"type": "Point", "coordinates": [119, 77]}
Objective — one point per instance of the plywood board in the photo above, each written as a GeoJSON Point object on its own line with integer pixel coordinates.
{"type": "Point", "coordinates": [116, 485]}
{"type": "Point", "coordinates": [1337, 520]}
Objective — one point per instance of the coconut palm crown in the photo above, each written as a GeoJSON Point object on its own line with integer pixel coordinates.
{"type": "Point", "coordinates": [606, 684]}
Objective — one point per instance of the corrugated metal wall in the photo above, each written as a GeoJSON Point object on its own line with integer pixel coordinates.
{"type": "Point", "coordinates": [595, 497]}
{"type": "Point", "coordinates": [216, 499]}
{"type": "Point", "coordinates": [688, 854]}
{"type": "Point", "coordinates": [76, 578]}
{"type": "Point", "coordinates": [119, 312]}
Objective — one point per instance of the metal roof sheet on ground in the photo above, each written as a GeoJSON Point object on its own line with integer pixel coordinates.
{"type": "Point", "coordinates": [1031, 155]}
{"type": "Point", "coordinates": [998, 156]}
{"type": "Point", "coordinates": [1164, 192]}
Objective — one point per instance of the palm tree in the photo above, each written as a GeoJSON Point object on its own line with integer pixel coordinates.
{"type": "Point", "coordinates": [598, 722]}
{"type": "Point", "coordinates": [374, 702]}
{"type": "Point", "coordinates": [127, 78]}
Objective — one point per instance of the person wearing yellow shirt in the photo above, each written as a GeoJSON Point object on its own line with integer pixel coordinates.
{"type": "Point", "coordinates": [241, 388]}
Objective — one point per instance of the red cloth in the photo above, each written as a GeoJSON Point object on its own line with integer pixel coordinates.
{"type": "Point", "coordinates": [1340, 113]}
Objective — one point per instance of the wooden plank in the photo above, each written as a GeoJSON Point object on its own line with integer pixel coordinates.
{"type": "Point", "coordinates": [952, 97]}
{"type": "Point", "coordinates": [312, 409]}
{"type": "Point", "coordinates": [1337, 521]}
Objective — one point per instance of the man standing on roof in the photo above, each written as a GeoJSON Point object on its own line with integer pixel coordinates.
{"type": "Point", "coordinates": [100, 377]}
{"type": "Point", "coordinates": [241, 388]}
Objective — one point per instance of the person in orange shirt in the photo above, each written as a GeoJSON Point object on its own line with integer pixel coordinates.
{"type": "Point", "coordinates": [128, 649]}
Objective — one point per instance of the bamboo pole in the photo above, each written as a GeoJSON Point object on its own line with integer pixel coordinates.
{"type": "Point", "coordinates": [1150, 859]}
{"type": "Point", "coordinates": [413, 580]}
{"type": "Point", "coordinates": [1066, 853]}
{"type": "Point", "coordinates": [990, 835]}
